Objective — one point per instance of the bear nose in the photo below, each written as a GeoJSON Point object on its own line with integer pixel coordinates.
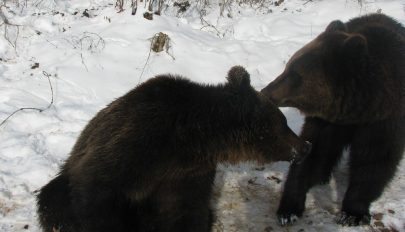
{"type": "Point", "coordinates": [267, 91]}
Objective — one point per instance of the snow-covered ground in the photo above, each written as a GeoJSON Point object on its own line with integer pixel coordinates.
{"type": "Point", "coordinates": [92, 60]}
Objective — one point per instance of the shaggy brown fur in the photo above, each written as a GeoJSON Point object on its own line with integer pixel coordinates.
{"type": "Point", "coordinates": [147, 161]}
{"type": "Point", "coordinates": [350, 83]}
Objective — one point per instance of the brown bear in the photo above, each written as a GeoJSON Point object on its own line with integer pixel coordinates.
{"type": "Point", "coordinates": [350, 84]}
{"type": "Point", "coordinates": [147, 161]}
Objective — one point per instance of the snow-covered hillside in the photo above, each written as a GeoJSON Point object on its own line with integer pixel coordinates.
{"type": "Point", "coordinates": [92, 55]}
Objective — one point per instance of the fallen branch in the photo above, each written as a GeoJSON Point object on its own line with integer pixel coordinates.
{"type": "Point", "coordinates": [33, 108]}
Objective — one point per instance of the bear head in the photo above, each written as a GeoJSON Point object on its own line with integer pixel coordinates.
{"type": "Point", "coordinates": [266, 127]}
{"type": "Point", "coordinates": [321, 78]}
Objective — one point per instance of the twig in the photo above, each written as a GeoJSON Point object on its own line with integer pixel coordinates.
{"type": "Point", "coordinates": [56, 46]}
{"type": "Point", "coordinates": [84, 64]}
{"type": "Point", "coordinates": [209, 25]}
{"type": "Point", "coordinates": [48, 5]}
{"type": "Point", "coordinates": [6, 24]}
{"type": "Point", "coordinates": [50, 85]}
{"type": "Point", "coordinates": [147, 60]}
{"type": "Point", "coordinates": [152, 41]}
{"type": "Point", "coordinates": [33, 108]}
{"type": "Point", "coordinates": [167, 48]}
{"type": "Point", "coordinates": [89, 41]}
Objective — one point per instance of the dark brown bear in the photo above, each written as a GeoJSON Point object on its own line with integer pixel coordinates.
{"type": "Point", "coordinates": [147, 162]}
{"type": "Point", "coordinates": [350, 84]}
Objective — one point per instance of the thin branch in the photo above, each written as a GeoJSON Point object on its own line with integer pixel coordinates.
{"type": "Point", "coordinates": [84, 64]}
{"type": "Point", "coordinates": [167, 46]}
{"type": "Point", "coordinates": [147, 60]}
{"type": "Point", "coordinates": [33, 108]}
{"type": "Point", "coordinates": [209, 25]}
{"type": "Point", "coordinates": [50, 85]}
{"type": "Point", "coordinates": [7, 23]}
{"type": "Point", "coordinates": [88, 41]}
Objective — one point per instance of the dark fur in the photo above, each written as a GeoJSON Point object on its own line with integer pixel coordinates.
{"type": "Point", "coordinates": [147, 162]}
{"type": "Point", "coordinates": [350, 83]}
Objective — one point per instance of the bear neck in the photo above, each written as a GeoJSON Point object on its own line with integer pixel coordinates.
{"type": "Point", "coordinates": [374, 89]}
{"type": "Point", "coordinates": [220, 128]}
{"type": "Point", "coordinates": [374, 93]}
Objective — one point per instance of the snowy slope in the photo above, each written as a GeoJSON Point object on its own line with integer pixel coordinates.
{"type": "Point", "coordinates": [93, 60]}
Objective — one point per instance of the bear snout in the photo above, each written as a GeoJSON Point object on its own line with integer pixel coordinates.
{"type": "Point", "coordinates": [276, 91]}
{"type": "Point", "coordinates": [268, 92]}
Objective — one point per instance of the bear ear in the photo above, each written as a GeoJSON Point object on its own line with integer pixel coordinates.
{"type": "Point", "coordinates": [336, 25]}
{"type": "Point", "coordinates": [356, 45]}
{"type": "Point", "coordinates": [238, 76]}
{"type": "Point", "coordinates": [354, 53]}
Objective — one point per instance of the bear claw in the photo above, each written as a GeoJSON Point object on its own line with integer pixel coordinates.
{"type": "Point", "coordinates": [287, 219]}
{"type": "Point", "coordinates": [346, 219]}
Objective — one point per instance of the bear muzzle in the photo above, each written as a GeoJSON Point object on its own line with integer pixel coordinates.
{"type": "Point", "coordinates": [277, 91]}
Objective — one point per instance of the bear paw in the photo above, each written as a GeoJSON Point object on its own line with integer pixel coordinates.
{"type": "Point", "coordinates": [347, 219]}
{"type": "Point", "coordinates": [287, 219]}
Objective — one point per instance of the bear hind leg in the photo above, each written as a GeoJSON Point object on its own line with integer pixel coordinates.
{"type": "Point", "coordinates": [97, 208]}
{"type": "Point", "coordinates": [181, 206]}
{"type": "Point", "coordinates": [54, 206]}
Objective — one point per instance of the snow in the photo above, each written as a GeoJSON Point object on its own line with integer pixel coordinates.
{"type": "Point", "coordinates": [92, 61]}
